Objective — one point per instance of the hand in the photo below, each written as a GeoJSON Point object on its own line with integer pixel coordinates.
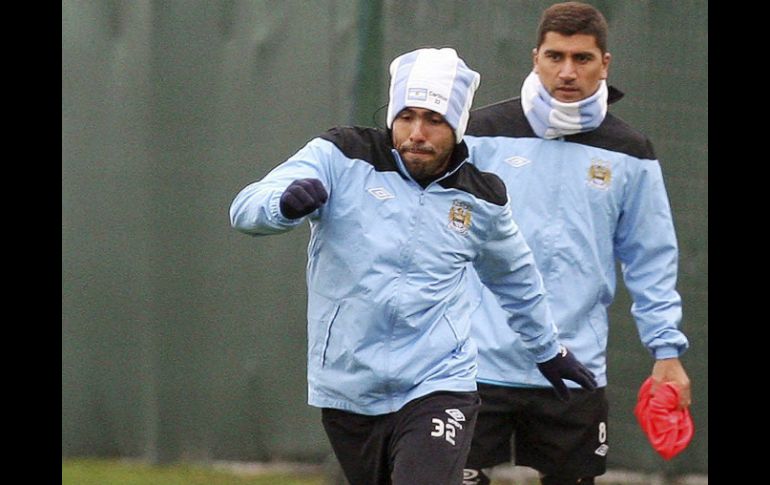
{"type": "Point", "coordinates": [671, 370]}
{"type": "Point", "coordinates": [302, 197]}
{"type": "Point", "coordinates": [566, 366]}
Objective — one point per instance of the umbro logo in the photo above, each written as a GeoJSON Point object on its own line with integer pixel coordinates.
{"type": "Point", "coordinates": [602, 450]}
{"type": "Point", "coordinates": [380, 193]}
{"type": "Point", "coordinates": [517, 161]}
{"type": "Point", "coordinates": [456, 414]}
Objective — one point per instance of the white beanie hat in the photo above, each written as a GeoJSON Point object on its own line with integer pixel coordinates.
{"type": "Point", "coordinates": [434, 79]}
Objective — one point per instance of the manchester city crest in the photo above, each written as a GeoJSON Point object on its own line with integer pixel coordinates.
{"type": "Point", "coordinates": [460, 217]}
{"type": "Point", "coordinates": [599, 174]}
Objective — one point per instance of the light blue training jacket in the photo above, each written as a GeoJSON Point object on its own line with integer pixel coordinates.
{"type": "Point", "coordinates": [581, 202]}
{"type": "Point", "coordinates": [388, 309]}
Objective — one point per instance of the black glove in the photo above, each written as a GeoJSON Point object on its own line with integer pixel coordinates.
{"type": "Point", "coordinates": [566, 366]}
{"type": "Point", "coordinates": [302, 197]}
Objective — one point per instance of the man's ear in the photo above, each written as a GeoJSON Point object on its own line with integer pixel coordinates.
{"type": "Point", "coordinates": [606, 64]}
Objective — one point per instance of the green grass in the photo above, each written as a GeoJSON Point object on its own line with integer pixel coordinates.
{"type": "Point", "coordinates": [117, 472]}
{"type": "Point", "coordinates": [130, 472]}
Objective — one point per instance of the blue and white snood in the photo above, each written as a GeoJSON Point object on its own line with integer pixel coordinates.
{"type": "Point", "coordinates": [551, 118]}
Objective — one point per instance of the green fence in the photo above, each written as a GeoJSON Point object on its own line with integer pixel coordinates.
{"type": "Point", "coordinates": [184, 340]}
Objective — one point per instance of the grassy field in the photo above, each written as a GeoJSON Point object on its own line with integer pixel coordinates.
{"type": "Point", "coordinates": [117, 472]}
{"type": "Point", "coordinates": [125, 472]}
{"type": "Point", "coordinates": [130, 472]}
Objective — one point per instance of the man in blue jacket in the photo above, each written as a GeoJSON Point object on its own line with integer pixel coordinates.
{"type": "Point", "coordinates": [585, 189]}
{"type": "Point", "coordinates": [397, 216]}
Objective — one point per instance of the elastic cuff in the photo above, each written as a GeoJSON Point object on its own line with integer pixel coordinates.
{"type": "Point", "coordinates": [548, 352]}
{"type": "Point", "coordinates": [275, 212]}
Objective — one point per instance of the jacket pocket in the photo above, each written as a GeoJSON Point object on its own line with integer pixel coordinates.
{"type": "Point", "coordinates": [458, 341]}
{"type": "Point", "coordinates": [327, 336]}
{"type": "Point", "coordinates": [597, 319]}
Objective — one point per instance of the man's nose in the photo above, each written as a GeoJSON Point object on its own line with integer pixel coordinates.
{"type": "Point", "coordinates": [568, 70]}
{"type": "Point", "coordinates": [417, 131]}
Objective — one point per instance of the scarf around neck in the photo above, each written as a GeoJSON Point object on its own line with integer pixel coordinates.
{"type": "Point", "coordinates": [551, 118]}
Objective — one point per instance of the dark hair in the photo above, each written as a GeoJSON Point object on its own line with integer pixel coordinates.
{"type": "Point", "coordinates": [570, 18]}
